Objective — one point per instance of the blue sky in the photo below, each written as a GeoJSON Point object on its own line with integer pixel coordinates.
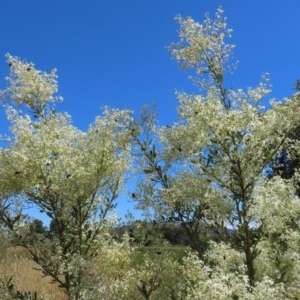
{"type": "Point", "coordinates": [113, 52]}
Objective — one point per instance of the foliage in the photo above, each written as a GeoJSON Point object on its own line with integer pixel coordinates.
{"type": "Point", "coordinates": [157, 277]}
{"type": "Point", "coordinates": [208, 173]}
{"type": "Point", "coordinates": [70, 175]}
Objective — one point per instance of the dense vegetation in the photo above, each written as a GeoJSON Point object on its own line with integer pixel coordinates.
{"type": "Point", "coordinates": [220, 187]}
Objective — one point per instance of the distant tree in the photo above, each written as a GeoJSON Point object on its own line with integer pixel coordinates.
{"type": "Point", "coordinates": [37, 227]}
{"type": "Point", "coordinates": [52, 229]}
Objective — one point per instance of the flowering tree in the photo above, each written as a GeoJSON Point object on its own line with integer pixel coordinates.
{"type": "Point", "coordinates": [70, 175]}
{"type": "Point", "coordinates": [209, 170]}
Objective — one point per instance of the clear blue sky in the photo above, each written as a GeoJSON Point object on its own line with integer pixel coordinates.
{"type": "Point", "coordinates": [113, 52]}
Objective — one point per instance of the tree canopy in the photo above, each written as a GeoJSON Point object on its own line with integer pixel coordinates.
{"type": "Point", "coordinates": [209, 172]}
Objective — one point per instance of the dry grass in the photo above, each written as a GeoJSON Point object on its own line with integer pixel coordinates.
{"type": "Point", "coordinates": [27, 276]}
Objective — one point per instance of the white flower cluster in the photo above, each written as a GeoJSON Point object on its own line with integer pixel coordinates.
{"type": "Point", "coordinates": [208, 173]}
{"type": "Point", "coordinates": [30, 86]}
{"type": "Point", "coordinates": [204, 47]}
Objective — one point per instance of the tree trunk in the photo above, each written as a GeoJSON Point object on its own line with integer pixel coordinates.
{"type": "Point", "coordinates": [249, 255]}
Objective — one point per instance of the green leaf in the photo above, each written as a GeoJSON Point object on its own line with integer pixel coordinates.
{"type": "Point", "coordinates": [219, 78]}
